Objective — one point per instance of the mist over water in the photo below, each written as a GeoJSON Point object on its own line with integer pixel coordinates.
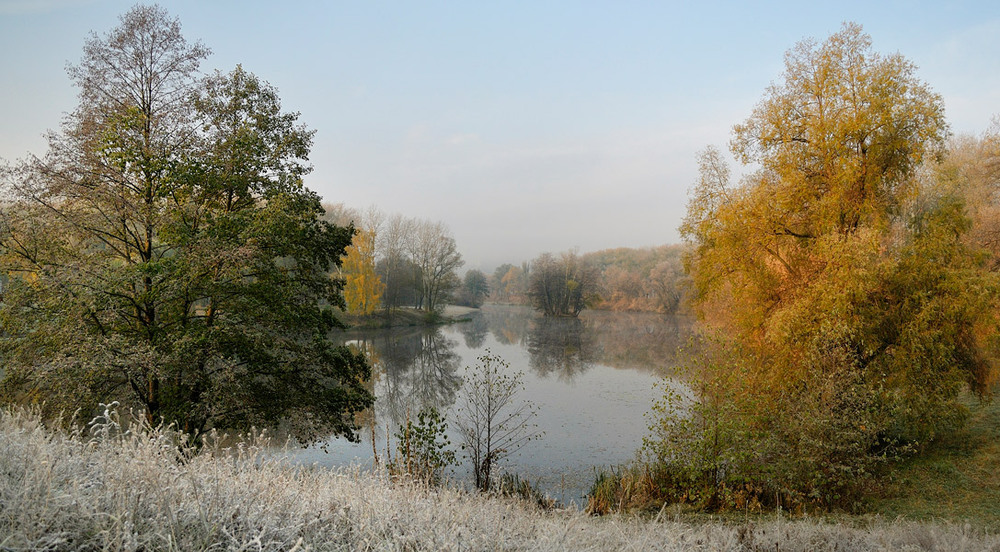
{"type": "Point", "coordinates": [593, 380]}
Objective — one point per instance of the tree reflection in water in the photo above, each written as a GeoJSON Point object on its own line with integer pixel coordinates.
{"type": "Point", "coordinates": [475, 330]}
{"type": "Point", "coordinates": [565, 347]}
{"type": "Point", "coordinates": [639, 340]}
{"type": "Point", "coordinates": [509, 325]}
{"type": "Point", "coordinates": [591, 377]}
{"type": "Point", "coordinates": [419, 367]}
{"type": "Point", "coordinates": [414, 369]}
{"type": "Point", "coordinates": [570, 346]}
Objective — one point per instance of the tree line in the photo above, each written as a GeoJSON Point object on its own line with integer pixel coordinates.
{"type": "Point", "coordinates": [623, 279]}
{"type": "Point", "coordinates": [396, 261]}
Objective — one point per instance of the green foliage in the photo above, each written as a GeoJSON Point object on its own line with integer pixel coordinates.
{"type": "Point", "coordinates": [422, 447]}
{"type": "Point", "coordinates": [166, 255]}
{"type": "Point", "coordinates": [475, 288]}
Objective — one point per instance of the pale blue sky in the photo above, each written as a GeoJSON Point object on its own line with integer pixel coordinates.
{"type": "Point", "coordinates": [524, 126]}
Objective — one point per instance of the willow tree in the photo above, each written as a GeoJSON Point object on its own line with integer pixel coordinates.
{"type": "Point", "coordinates": [165, 254]}
{"type": "Point", "coordinates": [842, 283]}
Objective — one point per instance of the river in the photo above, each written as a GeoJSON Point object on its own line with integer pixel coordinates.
{"type": "Point", "coordinates": [593, 381]}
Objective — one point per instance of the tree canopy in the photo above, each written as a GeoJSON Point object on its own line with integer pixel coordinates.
{"type": "Point", "coordinates": [165, 254]}
{"type": "Point", "coordinates": [561, 287]}
{"type": "Point", "coordinates": [853, 309]}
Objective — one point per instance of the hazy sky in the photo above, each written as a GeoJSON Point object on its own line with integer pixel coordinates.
{"type": "Point", "coordinates": [524, 126]}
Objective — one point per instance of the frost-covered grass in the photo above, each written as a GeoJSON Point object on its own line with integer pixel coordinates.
{"type": "Point", "coordinates": [130, 490]}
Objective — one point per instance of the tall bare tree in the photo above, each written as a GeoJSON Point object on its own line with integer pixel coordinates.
{"type": "Point", "coordinates": [436, 257]}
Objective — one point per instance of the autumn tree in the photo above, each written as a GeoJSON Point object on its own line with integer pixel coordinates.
{"type": "Point", "coordinates": [497, 288]}
{"type": "Point", "coordinates": [509, 283]}
{"type": "Point", "coordinates": [844, 286]}
{"type": "Point", "coordinates": [164, 253]}
{"type": "Point", "coordinates": [362, 286]}
{"type": "Point", "coordinates": [640, 279]}
{"type": "Point", "coordinates": [971, 170]}
{"type": "Point", "coordinates": [561, 287]}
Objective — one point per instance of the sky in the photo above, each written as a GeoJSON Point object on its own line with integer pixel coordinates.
{"type": "Point", "coordinates": [525, 127]}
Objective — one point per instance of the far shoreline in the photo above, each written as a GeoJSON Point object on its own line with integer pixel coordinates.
{"type": "Point", "coordinates": [408, 317]}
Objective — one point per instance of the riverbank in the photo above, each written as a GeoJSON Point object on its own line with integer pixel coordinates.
{"type": "Point", "coordinates": [120, 490]}
{"type": "Point", "coordinates": [407, 317]}
{"type": "Point", "coordinates": [956, 477]}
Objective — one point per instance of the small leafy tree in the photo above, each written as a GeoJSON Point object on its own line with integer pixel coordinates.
{"type": "Point", "coordinates": [493, 422]}
{"type": "Point", "coordinates": [422, 447]}
{"type": "Point", "coordinates": [475, 288]}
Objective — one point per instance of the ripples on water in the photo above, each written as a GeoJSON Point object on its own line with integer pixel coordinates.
{"type": "Point", "coordinates": [592, 380]}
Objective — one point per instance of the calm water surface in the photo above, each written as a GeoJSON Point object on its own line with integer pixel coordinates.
{"type": "Point", "coordinates": [592, 380]}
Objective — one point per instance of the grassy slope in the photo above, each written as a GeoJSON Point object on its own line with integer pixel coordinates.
{"type": "Point", "coordinates": [132, 492]}
{"type": "Point", "coordinates": [958, 478]}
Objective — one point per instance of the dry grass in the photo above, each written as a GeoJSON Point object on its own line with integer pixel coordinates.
{"type": "Point", "coordinates": [131, 490]}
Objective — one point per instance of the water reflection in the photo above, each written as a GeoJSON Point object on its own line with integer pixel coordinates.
{"type": "Point", "coordinates": [564, 347]}
{"type": "Point", "coordinates": [591, 378]}
{"type": "Point", "coordinates": [475, 330]}
{"type": "Point", "coordinates": [509, 325]}
{"type": "Point", "coordinates": [639, 340]}
{"type": "Point", "coordinates": [413, 369]}
{"type": "Point", "coordinates": [416, 368]}
{"type": "Point", "coordinates": [568, 346]}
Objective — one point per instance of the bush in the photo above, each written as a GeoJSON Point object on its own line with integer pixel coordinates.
{"type": "Point", "coordinates": [422, 450]}
{"type": "Point", "coordinates": [819, 441]}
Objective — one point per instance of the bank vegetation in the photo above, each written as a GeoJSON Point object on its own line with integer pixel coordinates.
{"type": "Point", "coordinates": [111, 486]}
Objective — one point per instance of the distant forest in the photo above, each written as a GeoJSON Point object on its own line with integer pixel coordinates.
{"type": "Point", "coordinates": [649, 279]}
{"type": "Point", "coordinates": [397, 261]}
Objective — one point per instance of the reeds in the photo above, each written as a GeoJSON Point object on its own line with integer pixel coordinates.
{"type": "Point", "coordinates": [117, 488]}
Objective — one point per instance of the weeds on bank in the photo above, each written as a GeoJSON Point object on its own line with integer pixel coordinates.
{"type": "Point", "coordinates": [955, 478]}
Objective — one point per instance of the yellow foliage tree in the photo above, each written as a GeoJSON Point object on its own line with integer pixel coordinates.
{"type": "Point", "coordinates": [362, 286]}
